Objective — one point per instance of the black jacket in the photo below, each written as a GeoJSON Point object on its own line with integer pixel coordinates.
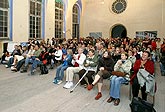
{"type": "Point", "coordinates": [107, 63]}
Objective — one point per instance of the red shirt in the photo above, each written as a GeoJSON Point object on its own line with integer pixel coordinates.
{"type": "Point", "coordinates": [153, 44]}
{"type": "Point", "coordinates": [149, 66]}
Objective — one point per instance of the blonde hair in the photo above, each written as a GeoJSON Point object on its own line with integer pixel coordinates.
{"type": "Point", "coordinates": [69, 51]}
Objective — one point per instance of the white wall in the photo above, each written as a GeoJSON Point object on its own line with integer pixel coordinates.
{"type": "Point", "coordinates": [50, 19]}
{"type": "Point", "coordinates": [96, 17]}
{"type": "Point", "coordinates": [69, 18]}
{"type": "Point", "coordinates": [20, 20]}
{"type": "Point", "coordinates": [140, 15]}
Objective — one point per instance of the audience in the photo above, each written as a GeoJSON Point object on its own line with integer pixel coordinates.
{"type": "Point", "coordinates": [92, 56]}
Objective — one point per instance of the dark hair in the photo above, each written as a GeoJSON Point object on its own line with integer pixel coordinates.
{"type": "Point", "coordinates": [131, 51]}
{"type": "Point", "coordinates": [147, 53]}
{"type": "Point", "coordinates": [103, 44]}
{"type": "Point", "coordinates": [109, 53]}
{"type": "Point", "coordinates": [92, 50]}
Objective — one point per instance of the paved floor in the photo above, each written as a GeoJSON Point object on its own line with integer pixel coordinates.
{"type": "Point", "coordinates": [23, 93]}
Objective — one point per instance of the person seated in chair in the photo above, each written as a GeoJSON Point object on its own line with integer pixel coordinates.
{"type": "Point", "coordinates": [18, 58]}
{"type": "Point", "coordinates": [67, 58]}
{"type": "Point", "coordinates": [123, 65]}
{"type": "Point", "coordinates": [105, 67]}
{"type": "Point", "coordinates": [57, 56]}
{"type": "Point", "coordinates": [42, 59]}
{"type": "Point", "coordinates": [77, 61]}
{"type": "Point", "coordinates": [143, 63]}
{"type": "Point", "coordinates": [10, 58]}
{"type": "Point", "coordinates": [90, 66]}
{"type": "Point", "coordinates": [30, 58]}
{"type": "Point", "coordinates": [21, 62]}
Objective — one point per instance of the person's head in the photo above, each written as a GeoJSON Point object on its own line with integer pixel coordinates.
{"type": "Point", "coordinates": [124, 56]}
{"type": "Point", "coordinates": [57, 47]}
{"type": "Point", "coordinates": [145, 55]}
{"type": "Point", "coordinates": [32, 47]}
{"type": "Point", "coordinates": [15, 46]}
{"type": "Point", "coordinates": [19, 47]}
{"type": "Point", "coordinates": [69, 51]}
{"type": "Point", "coordinates": [135, 50]}
{"type": "Point", "coordinates": [44, 49]}
{"type": "Point", "coordinates": [80, 50]}
{"type": "Point", "coordinates": [41, 46]}
{"type": "Point", "coordinates": [149, 49]}
{"type": "Point", "coordinates": [48, 45]}
{"type": "Point", "coordinates": [91, 52]}
{"type": "Point", "coordinates": [117, 50]}
{"type": "Point", "coordinates": [36, 47]}
{"type": "Point", "coordinates": [113, 48]}
{"type": "Point", "coordinates": [106, 54]}
{"type": "Point", "coordinates": [24, 48]}
{"type": "Point", "coordinates": [127, 46]}
{"type": "Point", "coordinates": [130, 53]}
{"type": "Point", "coordinates": [83, 45]}
{"type": "Point", "coordinates": [100, 46]}
{"type": "Point", "coordinates": [122, 49]}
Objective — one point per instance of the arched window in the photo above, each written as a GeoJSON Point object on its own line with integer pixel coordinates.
{"type": "Point", "coordinates": [35, 19]}
{"type": "Point", "coordinates": [4, 10]}
{"type": "Point", "coordinates": [75, 23]}
{"type": "Point", "coordinates": [59, 9]}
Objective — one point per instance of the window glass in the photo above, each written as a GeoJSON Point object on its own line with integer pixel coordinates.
{"type": "Point", "coordinates": [35, 19]}
{"type": "Point", "coordinates": [58, 19]}
{"type": "Point", "coordinates": [4, 8]}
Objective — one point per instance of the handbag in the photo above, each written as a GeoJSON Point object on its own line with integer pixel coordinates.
{"type": "Point", "coordinates": [44, 69]}
{"type": "Point", "coordinates": [44, 61]}
{"type": "Point", "coordinates": [118, 73]}
{"type": "Point", "coordinates": [139, 105]}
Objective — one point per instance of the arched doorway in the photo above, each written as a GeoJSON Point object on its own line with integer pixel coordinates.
{"type": "Point", "coordinates": [118, 30]}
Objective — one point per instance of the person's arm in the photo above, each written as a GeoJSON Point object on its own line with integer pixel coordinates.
{"type": "Point", "coordinates": [81, 60]}
{"type": "Point", "coordinates": [136, 66]}
{"type": "Point", "coordinates": [117, 65]}
{"type": "Point", "coordinates": [149, 66]}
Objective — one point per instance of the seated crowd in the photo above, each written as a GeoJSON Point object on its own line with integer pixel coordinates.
{"type": "Point", "coordinates": [121, 60]}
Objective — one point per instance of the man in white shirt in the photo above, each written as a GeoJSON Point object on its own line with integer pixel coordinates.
{"type": "Point", "coordinates": [77, 61]}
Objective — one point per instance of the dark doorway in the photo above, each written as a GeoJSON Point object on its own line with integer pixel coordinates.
{"type": "Point", "coordinates": [119, 31]}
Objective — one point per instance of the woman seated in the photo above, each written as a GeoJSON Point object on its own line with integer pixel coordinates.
{"type": "Point", "coordinates": [21, 62]}
{"type": "Point", "coordinates": [41, 60]}
{"type": "Point", "coordinates": [90, 66]}
{"type": "Point", "coordinates": [17, 58]}
{"type": "Point", "coordinates": [67, 58]}
{"type": "Point", "coordinates": [105, 67]}
{"type": "Point", "coordinates": [123, 65]}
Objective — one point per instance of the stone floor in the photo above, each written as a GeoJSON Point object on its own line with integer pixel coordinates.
{"type": "Point", "coordinates": [23, 93]}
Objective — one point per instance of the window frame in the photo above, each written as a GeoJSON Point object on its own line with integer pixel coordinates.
{"type": "Point", "coordinates": [75, 23]}
{"type": "Point", "coordinates": [4, 21]}
{"type": "Point", "coordinates": [59, 19]}
{"type": "Point", "coordinates": [35, 19]}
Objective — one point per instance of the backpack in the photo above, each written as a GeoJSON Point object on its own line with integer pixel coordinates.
{"type": "Point", "coordinates": [44, 69]}
{"type": "Point", "coordinates": [139, 105]}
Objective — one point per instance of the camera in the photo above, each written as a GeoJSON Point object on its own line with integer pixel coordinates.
{"type": "Point", "coordinates": [122, 61]}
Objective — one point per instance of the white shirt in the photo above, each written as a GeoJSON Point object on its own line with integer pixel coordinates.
{"type": "Point", "coordinates": [80, 61]}
{"type": "Point", "coordinates": [58, 55]}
